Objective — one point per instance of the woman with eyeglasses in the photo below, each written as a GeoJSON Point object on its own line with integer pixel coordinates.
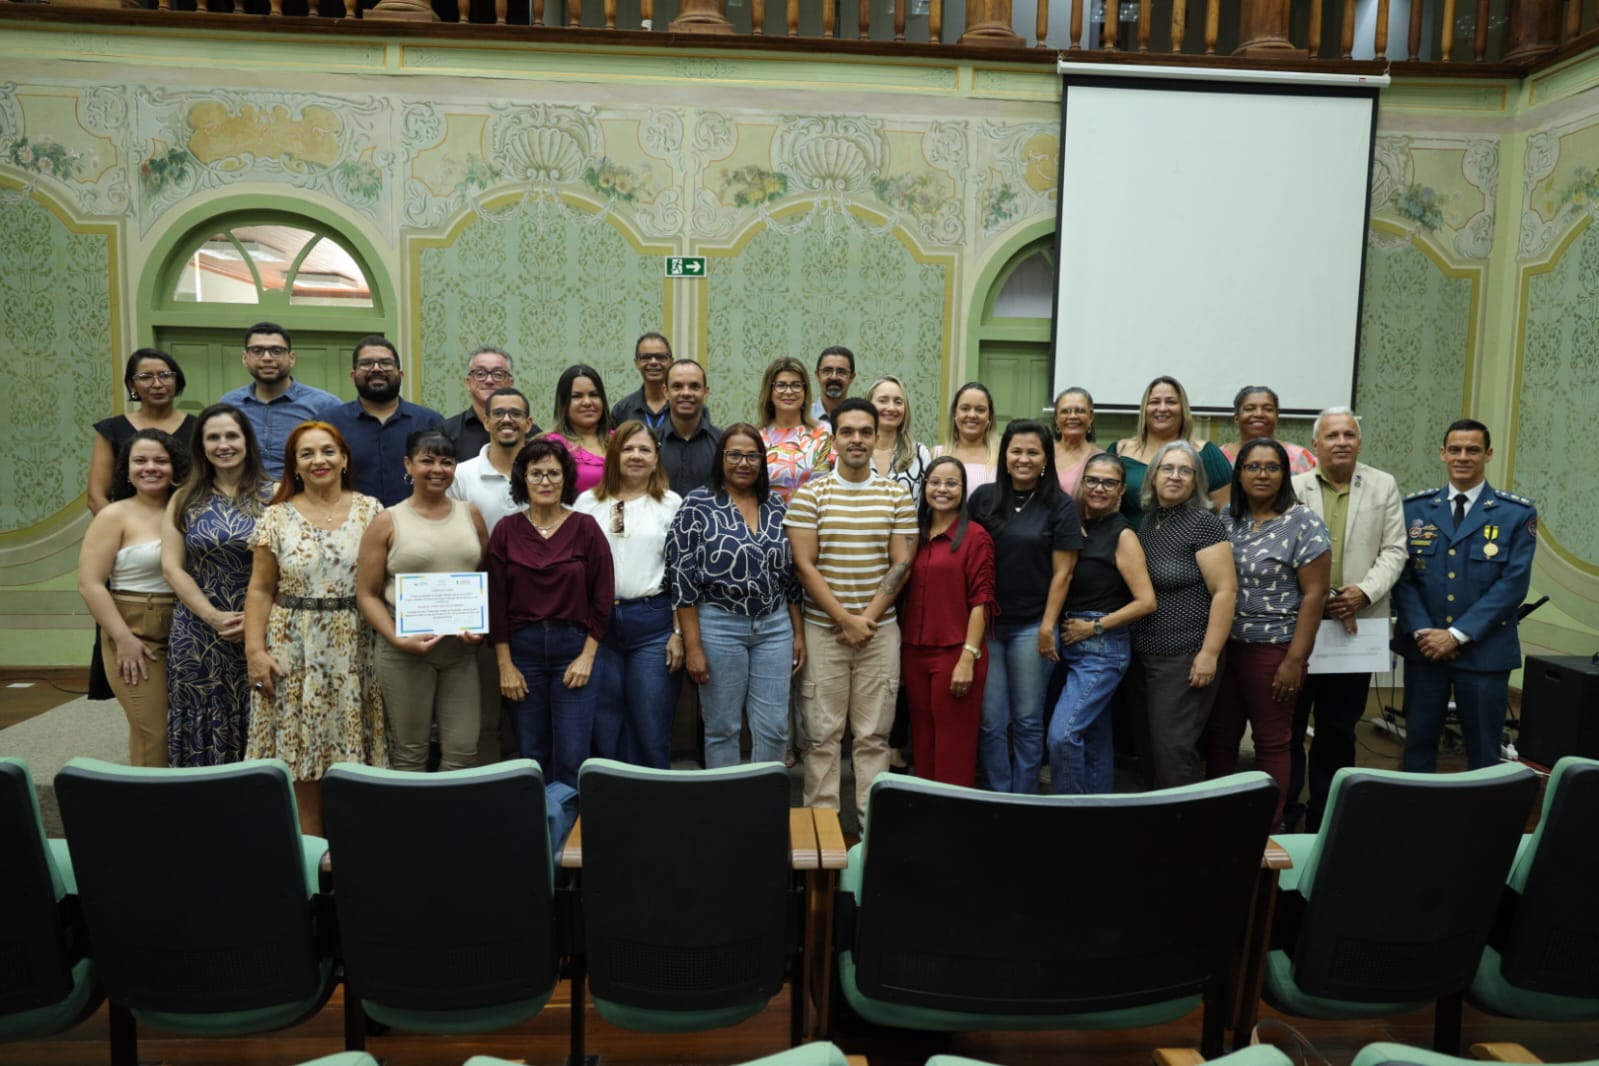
{"type": "Point", "coordinates": [205, 555]}
{"type": "Point", "coordinates": [796, 446]}
{"type": "Point", "coordinates": [1283, 554]}
{"type": "Point", "coordinates": [969, 435]}
{"type": "Point", "coordinates": [1074, 436]}
{"type": "Point", "coordinates": [582, 423]}
{"type": "Point", "coordinates": [738, 601]}
{"type": "Point", "coordinates": [1164, 417]}
{"type": "Point", "coordinates": [944, 619]}
{"type": "Point", "coordinates": [1110, 590]}
{"type": "Point", "coordinates": [1037, 534]}
{"type": "Point", "coordinates": [428, 679]}
{"type": "Point", "coordinates": [551, 591]}
{"type": "Point", "coordinates": [1177, 650]}
{"type": "Point", "coordinates": [1255, 415]}
{"type": "Point", "coordinates": [639, 662]}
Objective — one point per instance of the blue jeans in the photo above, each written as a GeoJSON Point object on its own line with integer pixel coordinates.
{"type": "Point", "coordinates": [750, 660]}
{"type": "Point", "coordinates": [554, 724]}
{"type": "Point", "coordinates": [1010, 742]}
{"type": "Point", "coordinates": [1082, 756]}
{"type": "Point", "coordinates": [636, 695]}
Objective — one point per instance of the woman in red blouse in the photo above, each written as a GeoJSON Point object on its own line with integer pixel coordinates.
{"type": "Point", "coordinates": [943, 624]}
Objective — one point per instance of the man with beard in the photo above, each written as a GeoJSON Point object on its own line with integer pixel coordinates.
{"type": "Point", "coordinates": [376, 424]}
{"type": "Point", "coordinates": [835, 371]}
{"type": "Point", "coordinates": [275, 403]}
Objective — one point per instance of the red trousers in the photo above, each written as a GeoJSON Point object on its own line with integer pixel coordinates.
{"type": "Point", "coordinates": [1245, 695]}
{"type": "Point", "coordinates": [943, 727]}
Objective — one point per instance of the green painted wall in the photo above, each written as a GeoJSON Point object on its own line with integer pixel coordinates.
{"type": "Point", "coordinates": [524, 196]}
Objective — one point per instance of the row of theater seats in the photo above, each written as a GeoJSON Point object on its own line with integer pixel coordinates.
{"type": "Point", "coordinates": [190, 900]}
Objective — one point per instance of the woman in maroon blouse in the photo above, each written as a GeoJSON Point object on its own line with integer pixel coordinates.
{"type": "Point", "coordinates": [943, 624]}
{"type": "Point", "coordinates": [550, 594]}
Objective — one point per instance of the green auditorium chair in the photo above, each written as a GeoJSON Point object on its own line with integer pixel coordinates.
{"type": "Point", "coordinates": [817, 1054]}
{"type": "Point", "coordinates": [1259, 1055]}
{"type": "Point", "coordinates": [200, 897]}
{"type": "Point", "coordinates": [1384, 1054]}
{"type": "Point", "coordinates": [1388, 907]}
{"type": "Point", "coordinates": [1542, 959]}
{"type": "Point", "coordinates": [344, 1058]}
{"type": "Point", "coordinates": [444, 890]}
{"type": "Point", "coordinates": [47, 983]}
{"type": "Point", "coordinates": [962, 909]}
{"type": "Point", "coordinates": [690, 915]}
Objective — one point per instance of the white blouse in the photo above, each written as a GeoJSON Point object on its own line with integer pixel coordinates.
{"type": "Point", "coordinates": [639, 550]}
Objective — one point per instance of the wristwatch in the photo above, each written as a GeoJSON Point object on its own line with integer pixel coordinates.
{"type": "Point", "coordinates": [1099, 628]}
{"type": "Point", "coordinates": [977, 653]}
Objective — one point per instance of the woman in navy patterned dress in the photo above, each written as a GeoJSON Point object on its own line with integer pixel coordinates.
{"type": "Point", "coordinates": [205, 556]}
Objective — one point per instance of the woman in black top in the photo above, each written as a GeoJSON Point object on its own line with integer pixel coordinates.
{"type": "Point", "coordinates": [1036, 534]}
{"type": "Point", "coordinates": [1110, 590]}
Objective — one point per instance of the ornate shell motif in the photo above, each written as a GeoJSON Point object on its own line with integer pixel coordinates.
{"type": "Point", "coordinates": [545, 146]}
{"type": "Point", "coordinates": [830, 155]}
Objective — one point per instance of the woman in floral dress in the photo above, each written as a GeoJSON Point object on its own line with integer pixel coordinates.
{"type": "Point", "coordinates": [205, 556]}
{"type": "Point", "coordinates": [314, 692]}
{"type": "Point", "coordinates": [796, 447]}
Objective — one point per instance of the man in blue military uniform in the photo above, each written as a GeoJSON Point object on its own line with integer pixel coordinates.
{"type": "Point", "coordinates": [1470, 561]}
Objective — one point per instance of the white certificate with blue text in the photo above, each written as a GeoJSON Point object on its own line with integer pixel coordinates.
{"type": "Point", "coordinates": [1339, 651]}
{"type": "Point", "coordinates": [446, 604]}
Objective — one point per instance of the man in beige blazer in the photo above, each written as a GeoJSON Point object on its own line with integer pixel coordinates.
{"type": "Point", "coordinates": [1368, 557]}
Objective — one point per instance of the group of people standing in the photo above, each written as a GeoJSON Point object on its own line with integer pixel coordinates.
{"type": "Point", "coordinates": [815, 568]}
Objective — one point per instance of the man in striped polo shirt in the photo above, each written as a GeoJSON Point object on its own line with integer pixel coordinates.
{"type": "Point", "coordinates": [854, 535]}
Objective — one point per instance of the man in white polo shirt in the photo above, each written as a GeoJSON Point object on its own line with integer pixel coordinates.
{"type": "Point", "coordinates": [853, 534]}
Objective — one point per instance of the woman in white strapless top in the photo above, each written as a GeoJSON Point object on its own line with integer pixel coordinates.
{"type": "Point", "coordinates": [119, 578]}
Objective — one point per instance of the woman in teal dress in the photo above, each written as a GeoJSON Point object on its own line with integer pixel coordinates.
{"type": "Point", "coordinates": [205, 557]}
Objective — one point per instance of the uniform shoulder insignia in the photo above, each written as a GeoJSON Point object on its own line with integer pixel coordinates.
{"type": "Point", "coordinates": [1422, 494]}
{"type": "Point", "coordinates": [1503, 495]}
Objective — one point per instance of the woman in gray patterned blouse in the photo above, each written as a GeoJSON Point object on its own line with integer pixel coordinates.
{"type": "Point", "coordinates": [1284, 560]}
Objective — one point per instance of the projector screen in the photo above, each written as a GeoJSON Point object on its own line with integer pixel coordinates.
{"type": "Point", "coordinates": [1212, 227]}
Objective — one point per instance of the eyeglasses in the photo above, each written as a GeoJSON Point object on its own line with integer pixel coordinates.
{"type": "Point", "coordinates": [504, 414]}
{"type": "Point", "coordinates": [369, 365]}
{"type": "Point", "coordinates": [651, 357]}
{"type": "Point", "coordinates": [496, 376]}
{"type": "Point", "coordinates": [788, 386]}
{"type": "Point", "coordinates": [551, 476]}
{"type": "Point", "coordinates": [1262, 468]}
{"type": "Point", "coordinates": [1077, 411]}
{"type": "Point", "coordinates": [743, 458]}
{"type": "Point", "coordinates": [833, 372]}
{"type": "Point", "coordinates": [276, 351]}
{"type": "Point", "coordinates": [618, 524]}
{"type": "Point", "coordinates": [151, 377]}
{"type": "Point", "coordinates": [1181, 473]}
{"type": "Point", "coordinates": [1104, 482]}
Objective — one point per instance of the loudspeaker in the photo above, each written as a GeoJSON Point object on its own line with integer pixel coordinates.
{"type": "Point", "coordinates": [1559, 709]}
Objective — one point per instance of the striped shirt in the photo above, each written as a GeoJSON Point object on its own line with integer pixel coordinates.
{"type": "Point", "coordinates": [854, 522]}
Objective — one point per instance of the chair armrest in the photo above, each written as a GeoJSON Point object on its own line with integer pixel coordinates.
{"type": "Point", "coordinates": [572, 852]}
{"type": "Point", "coordinates": [1505, 1052]}
{"type": "Point", "coordinates": [803, 853]}
{"type": "Point", "coordinates": [830, 839]}
{"type": "Point", "coordinates": [1177, 1056]}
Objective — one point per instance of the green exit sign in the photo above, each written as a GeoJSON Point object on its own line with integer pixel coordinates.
{"type": "Point", "coordinates": [685, 266]}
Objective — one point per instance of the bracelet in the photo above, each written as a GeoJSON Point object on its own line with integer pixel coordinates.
{"type": "Point", "coordinates": [977, 653]}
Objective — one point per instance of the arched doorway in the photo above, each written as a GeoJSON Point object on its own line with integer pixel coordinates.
{"type": "Point", "coordinates": [1012, 332]}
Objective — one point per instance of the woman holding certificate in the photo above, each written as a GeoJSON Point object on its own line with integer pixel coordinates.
{"type": "Point", "coordinates": [432, 677]}
{"type": "Point", "coordinates": [551, 589]}
{"type": "Point", "coordinates": [314, 697]}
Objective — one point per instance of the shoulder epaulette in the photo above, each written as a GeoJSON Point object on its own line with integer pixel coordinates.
{"type": "Point", "coordinates": [1503, 495]}
{"type": "Point", "coordinates": [1423, 493]}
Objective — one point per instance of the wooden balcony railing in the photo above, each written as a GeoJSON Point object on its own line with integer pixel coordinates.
{"type": "Point", "coordinates": [1463, 37]}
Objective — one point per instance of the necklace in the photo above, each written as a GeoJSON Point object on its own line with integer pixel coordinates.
{"type": "Point", "coordinates": [547, 530]}
{"type": "Point", "coordinates": [1017, 507]}
{"type": "Point", "coordinates": [327, 519]}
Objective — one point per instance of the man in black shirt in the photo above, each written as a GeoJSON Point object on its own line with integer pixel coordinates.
{"type": "Point", "coordinates": [487, 369]}
{"type": "Point", "coordinates": [688, 440]}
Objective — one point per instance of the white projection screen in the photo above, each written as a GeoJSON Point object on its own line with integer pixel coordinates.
{"type": "Point", "coordinates": [1212, 227]}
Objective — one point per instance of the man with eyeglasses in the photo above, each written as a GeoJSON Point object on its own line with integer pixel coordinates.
{"type": "Point", "coordinates": [487, 369]}
{"type": "Point", "coordinates": [652, 355]}
{"type": "Point", "coordinates": [835, 372]}
{"type": "Point", "coordinates": [1366, 522]}
{"type": "Point", "coordinates": [376, 423]}
{"type": "Point", "coordinates": [275, 403]}
{"type": "Point", "coordinates": [688, 440]}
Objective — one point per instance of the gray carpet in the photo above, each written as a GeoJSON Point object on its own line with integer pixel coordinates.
{"type": "Point", "coordinates": [46, 741]}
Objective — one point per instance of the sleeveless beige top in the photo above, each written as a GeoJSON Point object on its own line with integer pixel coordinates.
{"type": "Point", "coordinates": [420, 545]}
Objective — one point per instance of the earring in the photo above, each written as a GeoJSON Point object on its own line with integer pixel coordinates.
{"type": "Point", "coordinates": [407, 477]}
{"type": "Point", "coordinates": [133, 397]}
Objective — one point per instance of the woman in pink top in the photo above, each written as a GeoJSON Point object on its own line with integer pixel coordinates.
{"type": "Point", "coordinates": [1255, 415]}
{"type": "Point", "coordinates": [582, 422]}
{"type": "Point", "coordinates": [1074, 436]}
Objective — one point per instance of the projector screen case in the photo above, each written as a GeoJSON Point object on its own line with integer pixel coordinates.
{"type": "Point", "coordinates": [1212, 226]}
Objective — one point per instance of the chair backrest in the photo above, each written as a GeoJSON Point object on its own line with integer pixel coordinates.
{"type": "Point", "coordinates": [36, 950]}
{"type": "Point", "coordinates": [685, 884]}
{"type": "Point", "coordinates": [1552, 945]}
{"type": "Point", "coordinates": [1404, 879]}
{"type": "Point", "coordinates": [971, 901]}
{"type": "Point", "coordinates": [420, 863]}
{"type": "Point", "coordinates": [193, 884]}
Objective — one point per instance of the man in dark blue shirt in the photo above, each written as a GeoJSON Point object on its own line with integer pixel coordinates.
{"type": "Point", "coordinates": [376, 424]}
{"type": "Point", "coordinates": [688, 440]}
